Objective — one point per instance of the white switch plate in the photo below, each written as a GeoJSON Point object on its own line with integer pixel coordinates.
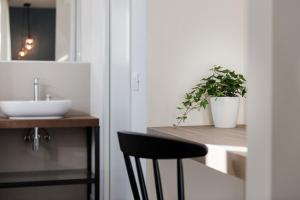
{"type": "Point", "coordinates": [135, 81]}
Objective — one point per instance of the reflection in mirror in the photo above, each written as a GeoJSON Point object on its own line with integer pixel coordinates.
{"type": "Point", "coordinates": [38, 30]}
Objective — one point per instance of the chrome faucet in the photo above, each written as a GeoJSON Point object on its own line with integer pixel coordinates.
{"type": "Point", "coordinates": [36, 89]}
{"type": "Point", "coordinates": [36, 135]}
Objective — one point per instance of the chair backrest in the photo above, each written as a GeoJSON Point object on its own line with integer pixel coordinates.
{"type": "Point", "coordinates": [147, 146]}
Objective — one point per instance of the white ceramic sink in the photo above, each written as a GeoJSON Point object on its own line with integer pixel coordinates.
{"type": "Point", "coordinates": [53, 109]}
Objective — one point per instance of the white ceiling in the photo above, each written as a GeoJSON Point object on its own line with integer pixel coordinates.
{"type": "Point", "coordinates": [34, 3]}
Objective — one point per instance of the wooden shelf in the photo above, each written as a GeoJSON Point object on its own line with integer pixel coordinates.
{"type": "Point", "coordinates": [227, 149]}
{"type": "Point", "coordinates": [45, 178]}
{"type": "Point", "coordinates": [67, 122]}
{"type": "Point", "coordinates": [205, 134]}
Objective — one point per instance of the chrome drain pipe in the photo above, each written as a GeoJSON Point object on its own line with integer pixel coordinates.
{"type": "Point", "coordinates": [35, 135]}
{"type": "Point", "coordinates": [36, 139]}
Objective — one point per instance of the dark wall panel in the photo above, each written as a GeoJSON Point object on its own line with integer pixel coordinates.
{"type": "Point", "coordinates": [42, 30]}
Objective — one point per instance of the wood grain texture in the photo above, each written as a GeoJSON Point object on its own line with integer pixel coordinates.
{"type": "Point", "coordinates": [205, 134]}
{"type": "Point", "coordinates": [236, 164]}
{"type": "Point", "coordinates": [67, 122]}
{"type": "Point", "coordinates": [227, 150]}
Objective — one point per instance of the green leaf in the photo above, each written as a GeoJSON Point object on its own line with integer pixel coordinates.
{"type": "Point", "coordinates": [188, 96]}
{"type": "Point", "coordinates": [221, 83]}
{"type": "Point", "coordinates": [242, 77]}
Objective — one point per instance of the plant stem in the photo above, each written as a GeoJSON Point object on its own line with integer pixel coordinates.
{"type": "Point", "coordinates": [184, 114]}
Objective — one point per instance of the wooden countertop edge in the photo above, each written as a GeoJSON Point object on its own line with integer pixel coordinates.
{"type": "Point", "coordinates": [67, 122]}
{"type": "Point", "coordinates": [239, 126]}
{"type": "Point", "coordinates": [236, 162]}
{"type": "Point", "coordinates": [207, 134]}
{"type": "Point", "coordinates": [154, 131]}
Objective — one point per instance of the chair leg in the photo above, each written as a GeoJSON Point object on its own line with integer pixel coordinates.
{"type": "Point", "coordinates": [159, 191]}
{"type": "Point", "coordinates": [131, 176]}
{"type": "Point", "coordinates": [180, 180]}
{"type": "Point", "coordinates": [141, 178]}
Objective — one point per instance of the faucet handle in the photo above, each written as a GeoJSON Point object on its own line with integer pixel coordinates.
{"type": "Point", "coordinates": [27, 138]}
{"type": "Point", "coordinates": [48, 97]}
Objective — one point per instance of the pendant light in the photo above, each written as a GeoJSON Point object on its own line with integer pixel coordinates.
{"type": "Point", "coordinates": [23, 52]}
{"type": "Point", "coordinates": [29, 42]}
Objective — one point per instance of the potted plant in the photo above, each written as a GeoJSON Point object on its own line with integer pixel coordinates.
{"type": "Point", "coordinates": [222, 90]}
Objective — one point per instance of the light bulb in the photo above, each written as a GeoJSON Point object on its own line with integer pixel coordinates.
{"type": "Point", "coordinates": [29, 40]}
{"type": "Point", "coordinates": [22, 52]}
{"type": "Point", "coordinates": [28, 46]}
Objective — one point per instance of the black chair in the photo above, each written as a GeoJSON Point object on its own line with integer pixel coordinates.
{"type": "Point", "coordinates": [153, 147]}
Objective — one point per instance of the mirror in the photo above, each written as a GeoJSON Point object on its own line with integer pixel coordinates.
{"type": "Point", "coordinates": [44, 30]}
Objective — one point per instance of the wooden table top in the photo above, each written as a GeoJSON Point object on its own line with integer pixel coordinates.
{"type": "Point", "coordinates": [67, 122]}
{"type": "Point", "coordinates": [227, 150]}
{"type": "Point", "coordinates": [205, 134]}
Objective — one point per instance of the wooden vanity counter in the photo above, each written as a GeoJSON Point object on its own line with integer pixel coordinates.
{"type": "Point", "coordinates": [67, 122]}
{"type": "Point", "coordinates": [88, 176]}
{"type": "Point", "coordinates": [227, 150]}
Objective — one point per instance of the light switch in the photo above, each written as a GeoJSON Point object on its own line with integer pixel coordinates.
{"type": "Point", "coordinates": [135, 81]}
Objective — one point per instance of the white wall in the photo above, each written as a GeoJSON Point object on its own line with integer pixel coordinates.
{"type": "Point", "coordinates": [286, 97]}
{"type": "Point", "coordinates": [273, 131]}
{"type": "Point", "coordinates": [185, 38]}
{"type": "Point", "coordinates": [200, 182]}
{"type": "Point", "coordinates": [128, 97]}
{"type": "Point", "coordinates": [5, 43]}
{"type": "Point", "coordinates": [94, 45]}
{"type": "Point", "coordinates": [120, 94]}
{"type": "Point", "coordinates": [138, 65]}
{"type": "Point", "coordinates": [259, 71]}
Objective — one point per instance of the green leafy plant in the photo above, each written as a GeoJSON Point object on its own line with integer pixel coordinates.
{"type": "Point", "coordinates": [222, 83]}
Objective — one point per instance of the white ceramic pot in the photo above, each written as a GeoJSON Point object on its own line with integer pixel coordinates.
{"type": "Point", "coordinates": [225, 111]}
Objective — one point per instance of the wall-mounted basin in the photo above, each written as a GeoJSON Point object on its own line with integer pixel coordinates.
{"type": "Point", "coordinates": [53, 109]}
